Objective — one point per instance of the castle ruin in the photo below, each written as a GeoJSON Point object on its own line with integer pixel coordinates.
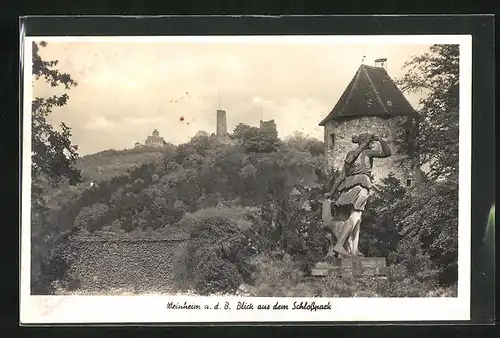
{"type": "Point", "coordinates": [269, 127]}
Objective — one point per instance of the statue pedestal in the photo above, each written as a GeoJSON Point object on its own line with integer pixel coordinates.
{"type": "Point", "coordinates": [349, 267]}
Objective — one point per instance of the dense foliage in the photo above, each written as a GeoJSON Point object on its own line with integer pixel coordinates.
{"type": "Point", "coordinates": [236, 206]}
{"type": "Point", "coordinates": [111, 163]}
{"type": "Point", "coordinates": [251, 214]}
{"type": "Point", "coordinates": [53, 154]}
{"type": "Point", "coordinates": [432, 214]}
{"type": "Point", "coordinates": [216, 258]}
{"type": "Point", "coordinates": [436, 75]}
{"type": "Point", "coordinates": [53, 158]}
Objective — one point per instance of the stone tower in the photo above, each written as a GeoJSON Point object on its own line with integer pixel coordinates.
{"type": "Point", "coordinates": [372, 103]}
{"type": "Point", "coordinates": [222, 134]}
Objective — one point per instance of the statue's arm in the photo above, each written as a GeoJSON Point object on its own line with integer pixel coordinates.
{"type": "Point", "coordinates": [385, 152]}
{"type": "Point", "coordinates": [351, 158]}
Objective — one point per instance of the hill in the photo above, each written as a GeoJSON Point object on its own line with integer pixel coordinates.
{"type": "Point", "coordinates": [102, 166]}
{"type": "Point", "coordinates": [107, 164]}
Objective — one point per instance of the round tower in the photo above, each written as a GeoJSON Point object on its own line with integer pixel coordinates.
{"type": "Point", "coordinates": [372, 103]}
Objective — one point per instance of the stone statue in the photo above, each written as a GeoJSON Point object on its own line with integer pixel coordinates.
{"type": "Point", "coordinates": [352, 187]}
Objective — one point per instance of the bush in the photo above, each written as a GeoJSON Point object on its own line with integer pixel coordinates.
{"type": "Point", "coordinates": [91, 217]}
{"type": "Point", "coordinates": [398, 283]}
{"type": "Point", "coordinates": [216, 256]}
{"type": "Point", "coordinates": [302, 142]}
{"type": "Point", "coordinates": [293, 225]}
{"type": "Point", "coordinates": [415, 227]}
{"type": "Point", "coordinates": [211, 273]}
{"type": "Point", "coordinates": [277, 275]}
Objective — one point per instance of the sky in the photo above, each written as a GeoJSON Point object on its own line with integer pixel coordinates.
{"type": "Point", "coordinates": [127, 89]}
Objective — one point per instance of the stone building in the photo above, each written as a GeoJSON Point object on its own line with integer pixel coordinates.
{"type": "Point", "coordinates": [155, 140]}
{"type": "Point", "coordinates": [372, 103]}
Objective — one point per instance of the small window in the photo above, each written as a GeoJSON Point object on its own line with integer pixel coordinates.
{"type": "Point", "coordinates": [408, 135]}
{"type": "Point", "coordinates": [332, 140]}
{"type": "Point", "coordinates": [408, 182]}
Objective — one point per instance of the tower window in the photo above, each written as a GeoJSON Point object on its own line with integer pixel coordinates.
{"type": "Point", "coordinates": [408, 135]}
{"type": "Point", "coordinates": [408, 182]}
{"type": "Point", "coordinates": [332, 140]}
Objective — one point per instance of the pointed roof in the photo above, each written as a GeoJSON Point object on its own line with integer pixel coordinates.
{"type": "Point", "coordinates": [371, 92]}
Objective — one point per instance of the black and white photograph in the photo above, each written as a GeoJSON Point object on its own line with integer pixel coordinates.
{"type": "Point", "coordinates": [246, 178]}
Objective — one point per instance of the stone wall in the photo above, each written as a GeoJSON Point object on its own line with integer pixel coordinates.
{"type": "Point", "coordinates": [393, 130]}
{"type": "Point", "coordinates": [141, 265]}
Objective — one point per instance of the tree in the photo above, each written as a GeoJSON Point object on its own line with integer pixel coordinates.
{"type": "Point", "coordinates": [243, 132]}
{"type": "Point", "coordinates": [52, 158]}
{"type": "Point", "coordinates": [256, 140]}
{"type": "Point", "coordinates": [432, 216]}
{"type": "Point", "coordinates": [384, 211]}
{"type": "Point", "coordinates": [52, 152]}
{"type": "Point", "coordinates": [302, 142]}
{"type": "Point", "coordinates": [436, 75]}
{"type": "Point", "coordinates": [262, 143]}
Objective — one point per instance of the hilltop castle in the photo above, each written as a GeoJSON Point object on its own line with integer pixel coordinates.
{"type": "Point", "coordinates": [156, 141]}
{"type": "Point", "coordinates": [372, 103]}
{"type": "Point", "coordinates": [153, 141]}
{"type": "Point", "coordinates": [221, 129]}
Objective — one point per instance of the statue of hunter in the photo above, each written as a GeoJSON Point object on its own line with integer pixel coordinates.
{"type": "Point", "coordinates": [353, 188]}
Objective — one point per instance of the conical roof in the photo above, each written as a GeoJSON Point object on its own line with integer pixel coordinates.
{"type": "Point", "coordinates": [371, 92]}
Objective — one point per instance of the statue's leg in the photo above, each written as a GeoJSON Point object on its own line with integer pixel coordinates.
{"type": "Point", "coordinates": [343, 215]}
{"type": "Point", "coordinates": [355, 242]}
{"type": "Point", "coordinates": [349, 224]}
{"type": "Point", "coordinates": [359, 206]}
{"type": "Point", "coordinates": [349, 243]}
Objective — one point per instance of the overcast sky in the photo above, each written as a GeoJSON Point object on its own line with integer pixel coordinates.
{"type": "Point", "coordinates": [127, 89]}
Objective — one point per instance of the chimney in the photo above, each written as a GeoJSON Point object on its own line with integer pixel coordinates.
{"type": "Point", "coordinates": [381, 63]}
{"type": "Point", "coordinates": [221, 123]}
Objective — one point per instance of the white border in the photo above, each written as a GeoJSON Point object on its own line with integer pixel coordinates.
{"type": "Point", "coordinates": [149, 309]}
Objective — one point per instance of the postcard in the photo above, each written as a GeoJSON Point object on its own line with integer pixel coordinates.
{"type": "Point", "coordinates": [245, 179]}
